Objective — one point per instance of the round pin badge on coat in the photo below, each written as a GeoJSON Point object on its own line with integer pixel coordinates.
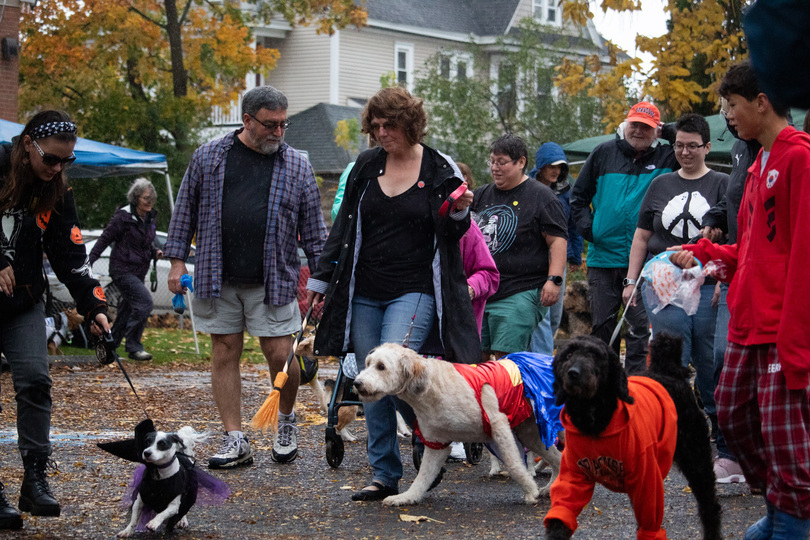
{"type": "Point", "coordinates": [420, 183]}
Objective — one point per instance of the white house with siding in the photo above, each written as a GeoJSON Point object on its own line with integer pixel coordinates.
{"type": "Point", "coordinates": [345, 68]}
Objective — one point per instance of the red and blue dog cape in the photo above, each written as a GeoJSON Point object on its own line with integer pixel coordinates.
{"type": "Point", "coordinates": [523, 382]}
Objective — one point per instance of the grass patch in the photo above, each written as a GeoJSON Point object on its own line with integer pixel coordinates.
{"type": "Point", "coordinates": [168, 345]}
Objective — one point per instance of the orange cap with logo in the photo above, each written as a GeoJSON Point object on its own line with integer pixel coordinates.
{"type": "Point", "coordinates": [646, 113]}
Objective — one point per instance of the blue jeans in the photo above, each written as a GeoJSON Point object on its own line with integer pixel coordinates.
{"type": "Point", "coordinates": [375, 322]}
{"type": "Point", "coordinates": [23, 342]}
{"type": "Point", "coordinates": [133, 311]}
{"type": "Point", "coordinates": [697, 332]}
{"type": "Point", "coordinates": [543, 336]}
{"type": "Point", "coordinates": [720, 342]}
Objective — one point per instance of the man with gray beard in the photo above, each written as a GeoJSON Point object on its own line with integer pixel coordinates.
{"type": "Point", "coordinates": [249, 198]}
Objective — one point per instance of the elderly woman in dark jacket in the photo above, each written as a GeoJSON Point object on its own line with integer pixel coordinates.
{"type": "Point", "coordinates": [132, 233]}
{"type": "Point", "coordinates": [392, 265]}
{"type": "Point", "coordinates": [38, 214]}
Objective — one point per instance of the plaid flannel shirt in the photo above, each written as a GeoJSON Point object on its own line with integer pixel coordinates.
{"type": "Point", "coordinates": [294, 212]}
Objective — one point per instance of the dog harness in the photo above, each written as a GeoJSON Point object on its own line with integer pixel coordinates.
{"type": "Point", "coordinates": [632, 455]}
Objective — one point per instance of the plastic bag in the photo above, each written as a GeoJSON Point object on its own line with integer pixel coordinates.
{"type": "Point", "coordinates": [669, 285]}
{"type": "Point", "coordinates": [178, 302]}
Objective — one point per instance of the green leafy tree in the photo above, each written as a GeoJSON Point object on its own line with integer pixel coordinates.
{"type": "Point", "coordinates": [467, 112]}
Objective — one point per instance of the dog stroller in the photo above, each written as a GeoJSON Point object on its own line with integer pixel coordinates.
{"type": "Point", "coordinates": [343, 395]}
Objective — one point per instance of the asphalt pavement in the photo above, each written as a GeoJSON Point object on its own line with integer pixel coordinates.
{"type": "Point", "coordinates": [303, 499]}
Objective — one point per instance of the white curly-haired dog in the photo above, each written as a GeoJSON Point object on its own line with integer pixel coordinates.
{"type": "Point", "coordinates": [448, 410]}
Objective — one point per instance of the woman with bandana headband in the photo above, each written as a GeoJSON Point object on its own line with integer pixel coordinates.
{"type": "Point", "coordinates": [38, 213]}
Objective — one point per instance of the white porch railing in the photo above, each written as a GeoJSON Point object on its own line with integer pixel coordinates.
{"type": "Point", "coordinates": [222, 116]}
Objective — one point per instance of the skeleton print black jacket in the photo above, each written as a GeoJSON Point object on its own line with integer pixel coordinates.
{"type": "Point", "coordinates": [24, 237]}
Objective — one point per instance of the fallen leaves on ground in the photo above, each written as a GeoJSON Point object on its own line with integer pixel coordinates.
{"type": "Point", "coordinates": [417, 519]}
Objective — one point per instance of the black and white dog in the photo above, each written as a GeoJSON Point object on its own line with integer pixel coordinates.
{"type": "Point", "coordinates": [167, 483]}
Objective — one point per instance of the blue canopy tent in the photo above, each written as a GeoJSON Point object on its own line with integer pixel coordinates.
{"type": "Point", "coordinates": [100, 160]}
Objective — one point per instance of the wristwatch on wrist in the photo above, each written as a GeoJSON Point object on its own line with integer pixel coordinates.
{"type": "Point", "coordinates": [628, 281]}
{"type": "Point", "coordinates": [556, 280]}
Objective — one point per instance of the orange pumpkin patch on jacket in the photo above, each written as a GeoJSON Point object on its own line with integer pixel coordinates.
{"type": "Point", "coordinates": [42, 219]}
{"type": "Point", "coordinates": [98, 292]}
{"type": "Point", "coordinates": [76, 235]}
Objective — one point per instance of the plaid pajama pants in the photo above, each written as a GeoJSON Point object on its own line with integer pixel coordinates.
{"type": "Point", "coordinates": [766, 425]}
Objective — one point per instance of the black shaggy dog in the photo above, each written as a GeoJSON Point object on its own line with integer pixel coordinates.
{"type": "Point", "coordinates": [590, 381]}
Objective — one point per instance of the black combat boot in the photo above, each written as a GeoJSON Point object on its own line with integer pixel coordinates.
{"type": "Point", "coordinates": [35, 494]}
{"type": "Point", "coordinates": [9, 516]}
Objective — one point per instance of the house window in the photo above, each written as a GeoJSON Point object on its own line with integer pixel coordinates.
{"type": "Point", "coordinates": [507, 89]}
{"type": "Point", "coordinates": [444, 67]}
{"type": "Point", "coordinates": [461, 70]}
{"type": "Point", "coordinates": [455, 66]}
{"type": "Point", "coordinates": [547, 12]}
{"type": "Point", "coordinates": [403, 64]}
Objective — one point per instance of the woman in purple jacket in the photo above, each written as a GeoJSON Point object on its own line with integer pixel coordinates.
{"type": "Point", "coordinates": [131, 232]}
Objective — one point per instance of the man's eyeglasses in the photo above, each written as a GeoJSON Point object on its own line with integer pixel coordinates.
{"type": "Point", "coordinates": [51, 160]}
{"type": "Point", "coordinates": [500, 164]}
{"type": "Point", "coordinates": [272, 126]}
{"type": "Point", "coordinates": [680, 147]}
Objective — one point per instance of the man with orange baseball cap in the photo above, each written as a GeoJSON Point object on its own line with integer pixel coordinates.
{"type": "Point", "coordinates": [605, 201]}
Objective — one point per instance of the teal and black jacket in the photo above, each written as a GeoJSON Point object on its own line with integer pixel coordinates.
{"type": "Point", "coordinates": [607, 195]}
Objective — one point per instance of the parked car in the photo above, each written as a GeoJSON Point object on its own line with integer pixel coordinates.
{"type": "Point", "coordinates": [161, 297]}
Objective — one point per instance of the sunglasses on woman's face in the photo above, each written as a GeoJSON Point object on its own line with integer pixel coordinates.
{"type": "Point", "coordinates": [51, 160]}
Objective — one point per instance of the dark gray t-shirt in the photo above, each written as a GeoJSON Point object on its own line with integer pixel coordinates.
{"type": "Point", "coordinates": [245, 199]}
{"type": "Point", "coordinates": [513, 223]}
{"type": "Point", "coordinates": [673, 207]}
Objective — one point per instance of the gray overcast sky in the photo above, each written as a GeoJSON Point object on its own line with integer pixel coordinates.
{"type": "Point", "coordinates": [621, 28]}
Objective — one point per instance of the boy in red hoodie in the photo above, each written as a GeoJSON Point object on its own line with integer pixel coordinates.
{"type": "Point", "coordinates": [763, 403]}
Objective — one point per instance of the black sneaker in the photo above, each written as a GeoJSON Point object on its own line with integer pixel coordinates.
{"type": "Point", "coordinates": [140, 356]}
{"type": "Point", "coordinates": [233, 453]}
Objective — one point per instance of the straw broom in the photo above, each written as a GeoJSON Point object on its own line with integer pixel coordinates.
{"type": "Point", "coordinates": [267, 415]}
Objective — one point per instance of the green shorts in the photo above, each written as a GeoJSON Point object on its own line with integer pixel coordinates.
{"type": "Point", "coordinates": [508, 323]}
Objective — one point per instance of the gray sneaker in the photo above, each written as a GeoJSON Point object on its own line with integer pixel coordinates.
{"type": "Point", "coordinates": [233, 453]}
{"type": "Point", "coordinates": [285, 446]}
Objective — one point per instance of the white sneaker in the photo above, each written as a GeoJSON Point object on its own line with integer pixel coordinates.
{"type": "Point", "coordinates": [285, 446]}
{"type": "Point", "coordinates": [234, 452]}
{"type": "Point", "coordinates": [457, 452]}
{"type": "Point", "coordinates": [728, 471]}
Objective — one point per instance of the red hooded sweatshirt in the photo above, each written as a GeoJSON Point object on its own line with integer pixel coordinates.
{"type": "Point", "coordinates": [769, 268]}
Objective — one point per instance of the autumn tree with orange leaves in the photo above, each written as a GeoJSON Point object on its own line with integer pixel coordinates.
{"type": "Point", "coordinates": [705, 38]}
{"type": "Point", "coordinates": [147, 72]}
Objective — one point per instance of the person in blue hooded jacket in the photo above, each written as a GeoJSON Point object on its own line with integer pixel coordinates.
{"type": "Point", "coordinates": [551, 169]}
{"type": "Point", "coordinates": [605, 202]}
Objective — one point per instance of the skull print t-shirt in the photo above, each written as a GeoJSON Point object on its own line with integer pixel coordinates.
{"type": "Point", "coordinates": [674, 206]}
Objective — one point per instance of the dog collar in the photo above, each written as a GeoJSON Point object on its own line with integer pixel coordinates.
{"type": "Point", "coordinates": [429, 444]}
{"type": "Point", "coordinates": [166, 465]}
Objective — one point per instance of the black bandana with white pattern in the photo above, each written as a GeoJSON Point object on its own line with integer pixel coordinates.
{"type": "Point", "coordinates": [52, 128]}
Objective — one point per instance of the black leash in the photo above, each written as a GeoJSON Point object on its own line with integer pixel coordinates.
{"type": "Point", "coordinates": [106, 355]}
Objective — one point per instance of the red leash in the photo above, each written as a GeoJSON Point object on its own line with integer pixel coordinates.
{"type": "Point", "coordinates": [460, 190]}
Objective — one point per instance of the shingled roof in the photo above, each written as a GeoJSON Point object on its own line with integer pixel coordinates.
{"type": "Point", "coordinates": [478, 17]}
{"type": "Point", "coordinates": [313, 130]}
{"type": "Point", "coordinates": [481, 18]}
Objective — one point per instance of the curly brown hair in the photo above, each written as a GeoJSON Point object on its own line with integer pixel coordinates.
{"type": "Point", "coordinates": [399, 107]}
{"type": "Point", "coordinates": [21, 180]}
